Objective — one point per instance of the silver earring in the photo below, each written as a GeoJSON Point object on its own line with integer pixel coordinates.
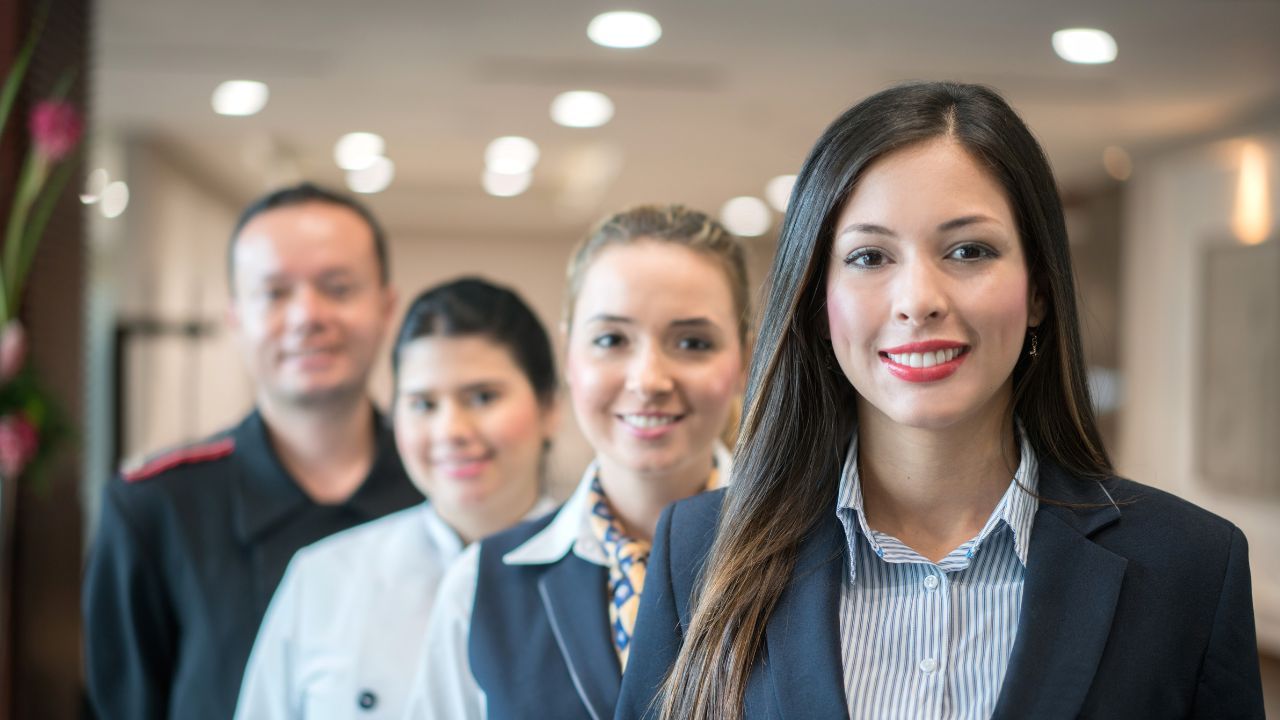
{"type": "Point", "coordinates": [1035, 348]}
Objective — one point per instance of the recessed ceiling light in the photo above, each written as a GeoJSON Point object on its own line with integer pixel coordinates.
{"type": "Point", "coordinates": [506, 184]}
{"type": "Point", "coordinates": [624, 29]}
{"type": "Point", "coordinates": [746, 216]}
{"type": "Point", "coordinates": [372, 179]}
{"type": "Point", "coordinates": [115, 198]}
{"type": "Point", "coordinates": [240, 97]}
{"type": "Point", "coordinates": [511, 155]}
{"type": "Point", "coordinates": [582, 109]}
{"type": "Point", "coordinates": [778, 191]}
{"type": "Point", "coordinates": [1085, 46]}
{"type": "Point", "coordinates": [358, 150]}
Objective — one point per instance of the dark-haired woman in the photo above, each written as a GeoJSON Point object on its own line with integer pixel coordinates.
{"type": "Point", "coordinates": [924, 522]}
{"type": "Point", "coordinates": [474, 411]}
{"type": "Point", "coordinates": [536, 622]}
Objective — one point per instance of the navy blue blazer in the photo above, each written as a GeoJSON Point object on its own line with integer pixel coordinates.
{"type": "Point", "coordinates": [1141, 610]}
{"type": "Point", "coordinates": [540, 643]}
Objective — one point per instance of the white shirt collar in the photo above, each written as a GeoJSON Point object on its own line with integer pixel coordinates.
{"type": "Point", "coordinates": [571, 528]}
{"type": "Point", "coordinates": [1017, 507]}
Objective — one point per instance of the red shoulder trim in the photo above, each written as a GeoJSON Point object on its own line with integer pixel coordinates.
{"type": "Point", "coordinates": [203, 452]}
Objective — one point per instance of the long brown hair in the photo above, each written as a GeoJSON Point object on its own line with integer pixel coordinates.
{"type": "Point", "coordinates": [800, 414]}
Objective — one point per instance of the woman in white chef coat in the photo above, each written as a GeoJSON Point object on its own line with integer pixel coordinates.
{"type": "Point", "coordinates": [474, 413]}
{"type": "Point", "coordinates": [536, 621]}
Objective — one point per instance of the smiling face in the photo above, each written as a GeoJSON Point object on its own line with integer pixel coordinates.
{"type": "Point", "coordinates": [654, 358]}
{"type": "Point", "coordinates": [927, 292]}
{"type": "Point", "coordinates": [469, 427]}
{"type": "Point", "coordinates": [310, 308]}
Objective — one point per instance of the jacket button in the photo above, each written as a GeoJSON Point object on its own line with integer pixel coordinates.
{"type": "Point", "coordinates": [368, 700]}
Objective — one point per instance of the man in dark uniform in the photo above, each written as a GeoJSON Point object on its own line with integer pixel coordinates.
{"type": "Point", "coordinates": [193, 542]}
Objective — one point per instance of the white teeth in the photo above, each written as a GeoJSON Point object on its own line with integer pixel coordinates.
{"type": "Point", "coordinates": [648, 421]}
{"type": "Point", "coordinates": [925, 360]}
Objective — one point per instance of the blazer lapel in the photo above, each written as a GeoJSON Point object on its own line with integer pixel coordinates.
{"type": "Point", "coordinates": [1072, 586]}
{"type": "Point", "coordinates": [580, 623]}
{"type": "Point", "coordinates": [803, 633]}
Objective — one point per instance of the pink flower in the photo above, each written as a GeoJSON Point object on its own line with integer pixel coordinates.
{"type": "Point", "coordinates": [18, 444]}
{"type": "Point", "coordinates": [13, 350]}
{"type": "Point", "coordinates": [55, 128]}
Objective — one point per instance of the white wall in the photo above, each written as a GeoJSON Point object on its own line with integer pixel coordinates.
{"type": "Point", "coordinates": [1178, 204]}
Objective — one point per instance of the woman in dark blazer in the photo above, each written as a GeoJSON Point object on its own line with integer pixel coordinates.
{"type": "Point", "coordinates": [924, 521]}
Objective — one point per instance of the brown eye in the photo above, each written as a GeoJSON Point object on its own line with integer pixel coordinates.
{"type": "Point", "coordinates": [866, 258]}
{"type": "Point", "coordinates": [971, 252]}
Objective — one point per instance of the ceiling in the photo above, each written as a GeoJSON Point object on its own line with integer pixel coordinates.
{"type": "Point", "coordinates": [733, 94]}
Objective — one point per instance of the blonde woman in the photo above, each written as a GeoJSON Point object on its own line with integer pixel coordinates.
{"type": "Point", "coordinates": [537, 621]}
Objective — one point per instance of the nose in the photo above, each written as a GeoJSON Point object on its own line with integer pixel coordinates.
{"type": "Point", "coordinates": [454, 424]}
{"type": "Point", "coordinates": [308, 308]}
{"type": "Point", "coordinates": [648, 374]}
{"type": "Point", "coordinates": [920, 293]}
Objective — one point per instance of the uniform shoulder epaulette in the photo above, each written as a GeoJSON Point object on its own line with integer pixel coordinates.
{"type": "Point", "coordinates": [198, 453]}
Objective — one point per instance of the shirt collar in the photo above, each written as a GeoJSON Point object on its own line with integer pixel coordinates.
{"type": "Point", "coordinates": [1016, 509]}
{"type": "Point", "coordinates": [571, 527]}
{"type": "Point", "coordinates": [266, 493]}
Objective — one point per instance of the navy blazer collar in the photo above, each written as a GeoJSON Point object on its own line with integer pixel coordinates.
{"type": "Point", "coordinates": [265, 493]}
{"type": "Point", "coordinates": [1068, 601]}
{"type": "Point", "coordinates": [1069, 597]}
{"type": "Point", "coordinates": [580, 622]}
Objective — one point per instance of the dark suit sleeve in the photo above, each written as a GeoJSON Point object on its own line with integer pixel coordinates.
{"type": "Point", "coordinates": [657, 637]}
{"type": "Point", "coordinates": [129, 629]}
{"type": "Point", "coordinates": [1230, 684]}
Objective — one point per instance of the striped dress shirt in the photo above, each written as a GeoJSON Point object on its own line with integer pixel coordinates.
{"type": "Point", "coordinates": [932, 640]}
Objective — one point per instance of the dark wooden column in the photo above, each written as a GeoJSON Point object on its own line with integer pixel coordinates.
{"type": "Point", "coordinates": [43, 533]}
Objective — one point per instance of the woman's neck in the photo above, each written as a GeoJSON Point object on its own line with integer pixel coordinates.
{"type": "Point", "coordinates": [638, 498]}
{"type": "Point", "coordinates": [472, 524]}
{"type": "Point", "coordinates": [934, 489]}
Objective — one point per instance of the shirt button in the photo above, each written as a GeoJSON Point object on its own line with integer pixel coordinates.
{"type": "Point", "coordinates": [931, 582]}
{"type": "Point", "coordinates": [928, 665]}
{"type": "Point", "coordinates": [367, 700]}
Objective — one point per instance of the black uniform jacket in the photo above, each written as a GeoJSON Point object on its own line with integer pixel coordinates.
{"type": "Point", "coordinates": [189, 550]}
{"type": "Point", "coordinates": [1138, 609]}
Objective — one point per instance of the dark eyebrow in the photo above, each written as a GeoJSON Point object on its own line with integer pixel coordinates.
{"type": "Point", "coordinates": [964, 222]}
{"type": "Point", "coordinates": [869, 228]}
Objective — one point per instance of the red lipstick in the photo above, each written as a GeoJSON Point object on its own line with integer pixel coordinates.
{"type": "Point", "coordinates": [901, 367]}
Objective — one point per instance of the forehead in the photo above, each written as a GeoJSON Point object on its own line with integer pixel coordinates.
{"type": "Point", "coordinates": [653, 281]}
{"type": "Point", "coordinates": [923, 185]}
{"type": "Point", "coordinates": [306, 238]}
{"type": "Point", "coordinates": [440, 362]}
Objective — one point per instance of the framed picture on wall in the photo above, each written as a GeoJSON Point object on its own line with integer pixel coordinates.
{"type": "Point", "coordinates": [1238, 414]}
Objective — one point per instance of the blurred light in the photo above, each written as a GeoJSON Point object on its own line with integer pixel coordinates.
{"type": "Point", "coordinates": [1117, 163]}
{"type": "Point", "coordinates": [624, 29]}
{"type": "Point", "coordinates": [1085, 46]}
{"type": "Point", "coordinates": [746, 216]}
{"type": "Point", "coordinates": [778, 191]}
{"type": "Point", "coordinates": [1252, 220]}
{"type": "Point", "coordinates": [94, 185]}
{"type": "Point", "coordinates": [372, 179]}
{"type": "Point", "coordinates": [506, 184]}
{"type": "Point", "coordinates": [511, 155]}
{"type": "Point", "coordinates": [240, 97]}
{"type": "Point", "coordinates": [582, 109]}
{"type": "Point", "coordinates": [115, 198]}
{"type": "Point", "coordinates": [358, 150]}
